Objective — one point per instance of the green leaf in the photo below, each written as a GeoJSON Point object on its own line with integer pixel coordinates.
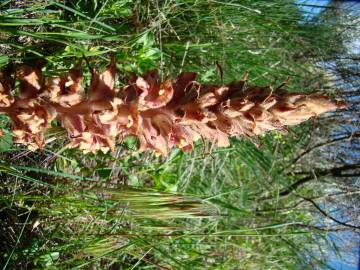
{"type": "Point", "coordinates": [104, 173]}
{"type": "Point", "coordinates": [146, 40]}
{"type": "Point", "coordinates": [134, 181]}
{"type": "Point", "coordinates": [6, 142]}
{"type": "Point", "coordinates": [4, 59]}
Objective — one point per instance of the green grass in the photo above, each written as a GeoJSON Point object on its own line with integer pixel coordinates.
{"type": "Point", "coordinates": [199, 210]}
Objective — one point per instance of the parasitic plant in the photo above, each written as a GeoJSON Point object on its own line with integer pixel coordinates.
{"type": "Point", "coordinates": [163, 115]}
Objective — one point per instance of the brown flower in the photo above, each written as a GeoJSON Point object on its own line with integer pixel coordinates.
{"type": "Point", "coordinates": [163, 115]}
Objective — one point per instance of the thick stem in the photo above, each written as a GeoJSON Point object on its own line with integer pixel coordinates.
{"type": "Point", "coordinates": [5, 110]}
{"type": "Point", "coordinates": [84, 107]}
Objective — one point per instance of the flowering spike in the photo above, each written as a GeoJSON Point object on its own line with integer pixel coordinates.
{"type": "Point", "coordinates": [163, 115]}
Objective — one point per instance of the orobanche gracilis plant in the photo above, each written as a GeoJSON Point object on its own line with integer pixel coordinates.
{"type": "Point", "coordinates": [163, 115]}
